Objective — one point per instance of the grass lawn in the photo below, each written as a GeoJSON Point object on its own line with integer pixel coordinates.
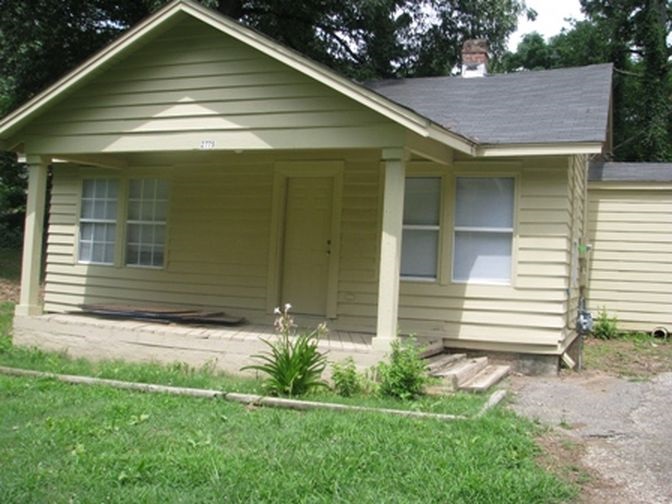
{"type": "Point", "coordinates": [62, 443]}
{"type": "Point", "coordinates": [631, 355]}
{"type": "Point", "coordinates": [65, 443]}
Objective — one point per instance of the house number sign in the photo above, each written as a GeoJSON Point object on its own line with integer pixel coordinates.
{"type": "Point", "coordinates": [207, 144]}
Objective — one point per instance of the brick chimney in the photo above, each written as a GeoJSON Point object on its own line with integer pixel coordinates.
{"type": "Point", "coordinates": [475, 58]}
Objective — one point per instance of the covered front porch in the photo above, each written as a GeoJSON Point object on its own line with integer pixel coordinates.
{"type": "Point", "coordinates": [225, 248]}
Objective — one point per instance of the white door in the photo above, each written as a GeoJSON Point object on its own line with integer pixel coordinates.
{"type": "Point", "coordinates": [307, 244]}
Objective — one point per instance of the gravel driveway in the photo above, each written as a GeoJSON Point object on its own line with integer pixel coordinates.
{"type": "Point", "coordinates": [625, 426]}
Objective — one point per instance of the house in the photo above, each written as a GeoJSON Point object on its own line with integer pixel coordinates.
{"type": "Point", "coordinates": [199, 163]}
{"type": "Point", "coordinates": [630, 229]}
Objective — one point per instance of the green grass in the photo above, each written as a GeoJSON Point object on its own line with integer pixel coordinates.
{"type": "Point", "coordinates": [6, 316]}
{"type": "Point", "coordinates": [63, 443]}
{"type": "Point", "coordinates": [66, 443]}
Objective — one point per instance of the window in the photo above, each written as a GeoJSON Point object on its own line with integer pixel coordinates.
{"type": "Point", "coordinates": [483, 229]}
{"type": "Point", "coordinates": [146, 224]}
{"type": "Point", "coordinates": [420, 240]}
{"type": "Point", "coordinates": [97, 221]}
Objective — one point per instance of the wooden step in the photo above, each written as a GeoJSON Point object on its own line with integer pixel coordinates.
{"type": "Point", "coordinates": [486, 378]}
{"type": "Point", "coordinates": [441, 361]}
{"type": "Point", "coordinates": [462, 371]}
{"type": "Point", "coordinates": [431, 349]}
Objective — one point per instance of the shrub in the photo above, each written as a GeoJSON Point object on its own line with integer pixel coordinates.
{"type": "Point", "coordinates": [405, 376]}
{"type": "Point", "coordinates": [605, 327]}
{"type": "Point", "coordinates": [347, 380]}
{"type": "Point", "coordinates": [293, 364]}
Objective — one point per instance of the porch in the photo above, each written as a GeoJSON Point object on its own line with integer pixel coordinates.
{"type": "Point", "coordinates": [225, 348]}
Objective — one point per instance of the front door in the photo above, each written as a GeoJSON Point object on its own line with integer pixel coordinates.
{"type": "Point", "coordinates": [307, 244]}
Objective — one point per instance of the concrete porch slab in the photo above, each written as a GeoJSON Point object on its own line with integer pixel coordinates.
{"type": "Point", "coordinates": [226, 348]}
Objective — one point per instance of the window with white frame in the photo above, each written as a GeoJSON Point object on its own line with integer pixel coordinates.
{"type": "Point", "coordinates": [483, 239]}
{"type": "Point", "coordinates": [146, 223]}
{"type": "Point", "coordinates": [420, 240]}
{"type": "Point", "coordinates": [98, 221]}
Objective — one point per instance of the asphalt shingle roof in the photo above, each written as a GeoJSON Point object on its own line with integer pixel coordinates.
{"type": "Point", "coordinates": [630, 172]}
{"type": "Point", "coordinates": [547, 106]}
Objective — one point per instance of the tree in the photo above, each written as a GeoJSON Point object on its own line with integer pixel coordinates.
{"type": "Point", "coordinates": [632, 35]}
{"type": "Point", "coordinates": [650, 32]}
{"type": "Point", "coordinates": [41, 40]}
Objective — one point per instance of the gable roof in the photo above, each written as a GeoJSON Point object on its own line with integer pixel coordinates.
{"type": "Point", "coordinates": [630, 172]}
{"type": "Point", "coordinates": [428, 116]}
{"type": "Point", "coordinates": [411, 120]}
{"type": "Point", "coordinates": [548, 106]}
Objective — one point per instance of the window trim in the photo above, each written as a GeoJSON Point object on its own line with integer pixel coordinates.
{"type": "Point", "coordinates": [420, 169]}
{"type": "Point", "coordinates": [127, 221]}
{"type": "Point", "coordinates": [78, 227]}
{"type": "Point", "coordinates": [86, 172]}
{"type": "Point", "coordinates": [513, 280]}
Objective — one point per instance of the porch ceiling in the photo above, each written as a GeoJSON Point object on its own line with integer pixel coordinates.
{"type": "Point", "coordinates": [163, 159]}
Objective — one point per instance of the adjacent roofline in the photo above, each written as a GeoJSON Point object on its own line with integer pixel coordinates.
{"type": "Point", "coordinates": [630, 173]}
{"type": "Point", "coordinates": [549, 149]}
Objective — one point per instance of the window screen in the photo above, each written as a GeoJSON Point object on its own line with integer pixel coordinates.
{"type": "Point", "coordinates": [146, 223]}
{"type": "Point", "coordinates": [420, 240]}
{"type": "Point", "coordinates": [97, 221]}
{"type": "Point", "coordinates": [483, 229]}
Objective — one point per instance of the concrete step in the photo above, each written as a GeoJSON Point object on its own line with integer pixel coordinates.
{"type": "Point", "coordinates": [486, 378]}
{"type": "Point", "coordinates": [462, 371]}
{"type": "Point", "coordinates": [443, 360]}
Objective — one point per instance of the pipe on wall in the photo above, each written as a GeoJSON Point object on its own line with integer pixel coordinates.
{"type": "Point", "coordinates": [660, 332]}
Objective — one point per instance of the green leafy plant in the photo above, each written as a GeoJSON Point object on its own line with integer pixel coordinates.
{"type": "Point", "coordinates": [293, 364]}
{"type": "Point", "coordinates": [347, 381]}
{"type": "Point", "coordinates": [405, 376]}
{"type": "Point", "coordinates": [605, 327]}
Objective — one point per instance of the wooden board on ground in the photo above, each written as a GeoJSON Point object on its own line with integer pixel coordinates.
{"type": "Point", "coordinates": [161, 314]}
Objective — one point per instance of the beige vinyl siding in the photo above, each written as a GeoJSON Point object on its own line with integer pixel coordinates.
{"type": "Point", "coordinates": [577, 190]}
{"type": "Point", "coordinates": [193, 84]}
{"type": "Point", "coordinates": [529, 316]}
{"type": "Point", "coordinates": [218, 249]}
{"type": "Point", "coordinates": [630, 228]}
{"type": "Point", "coordinates": [218, 239]}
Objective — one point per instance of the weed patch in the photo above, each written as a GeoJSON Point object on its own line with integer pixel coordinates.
{"type": "Point", "coordinates": [631, 355]}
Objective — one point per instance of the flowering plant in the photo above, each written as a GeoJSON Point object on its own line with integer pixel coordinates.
{"type": "Point", "coordinates": [293, 364]}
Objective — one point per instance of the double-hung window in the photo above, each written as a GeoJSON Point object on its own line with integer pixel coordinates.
{"type": "Point", "coordinates": [420, 240]}
{"type": "Point", "coordinates": [483, 239]}
{"type": "Point", "coordinates": [146, 223]}
{"type": "Point", "coordinates": [98, 221]}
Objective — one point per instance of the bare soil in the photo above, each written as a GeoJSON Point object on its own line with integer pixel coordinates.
{"type": "Point", "coordinates": [632, 356]}
{"type": "Point", "coordinates": [9, 290]}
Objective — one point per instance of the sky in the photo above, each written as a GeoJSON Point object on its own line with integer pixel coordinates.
{"type": "Point", "coordinates": [550, 20]}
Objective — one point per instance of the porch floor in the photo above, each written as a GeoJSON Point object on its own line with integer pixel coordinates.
{"type": "Point", "coordinates": [229, 348]}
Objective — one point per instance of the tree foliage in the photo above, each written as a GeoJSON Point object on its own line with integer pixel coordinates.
{"type": "Point", "coordinates": [634, 36]}
{"type": "Point", "coordinates": [42, 40]}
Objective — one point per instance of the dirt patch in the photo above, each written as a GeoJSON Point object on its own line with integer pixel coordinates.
{"type": "Point", "coordinates": [563, 455]}
{"type": "Point", "coordinates": [632, 356]}
{"type": "Point", "coordinates": [9, 291]}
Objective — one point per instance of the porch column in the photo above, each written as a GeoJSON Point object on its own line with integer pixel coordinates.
{"type": "Point", "coordinates": [29, 301]}
{"type": "Point", "coordinates": [390, 248]}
